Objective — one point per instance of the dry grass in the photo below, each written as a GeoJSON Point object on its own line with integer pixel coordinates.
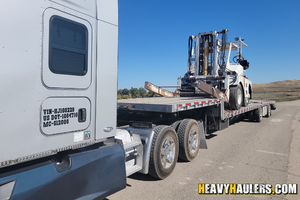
{"type": "Point", "coordinates": [277, 91]}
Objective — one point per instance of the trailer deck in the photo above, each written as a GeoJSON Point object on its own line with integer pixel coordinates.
{"type": "Point", "coordinates": [254, 104]}
{"type": "Point", "coordinates": [177, 104]}
{"type": "Point", "coordinates": [164, 104]}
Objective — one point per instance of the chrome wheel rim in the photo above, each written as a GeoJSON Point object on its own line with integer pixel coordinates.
{"type": "Point", "coordinates": [193, 140]}
{"type": "Point", "coordinates": [167, 152]}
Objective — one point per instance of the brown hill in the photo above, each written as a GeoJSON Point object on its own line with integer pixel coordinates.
{"type": "Point", "coordinates": [277, 91]}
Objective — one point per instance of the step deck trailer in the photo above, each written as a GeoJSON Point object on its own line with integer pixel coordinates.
{"type": "Point", "coordinates": [191, 118]}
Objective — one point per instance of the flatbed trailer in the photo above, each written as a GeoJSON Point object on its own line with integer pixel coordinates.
{"type": "Point", "coordinates": [177, 105]}
{"type": "Point", "coordinates": [189, 119]}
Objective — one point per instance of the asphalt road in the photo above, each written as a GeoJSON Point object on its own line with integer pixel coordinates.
{"type": "Point", "coordinates": [246, 152]}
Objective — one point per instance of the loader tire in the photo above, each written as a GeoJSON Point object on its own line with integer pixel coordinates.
{"type": "Point", "coordinates": [189, 139]}
{"type": "Point", "coordinates": [236, 97]}
{"type": "Point", "coordinates": [246, 102]}
{"type": "Point", "coordinates": [164, 152]}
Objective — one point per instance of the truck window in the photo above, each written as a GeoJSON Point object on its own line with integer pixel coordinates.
{"type": "Point", "coordinates": [68, 41]}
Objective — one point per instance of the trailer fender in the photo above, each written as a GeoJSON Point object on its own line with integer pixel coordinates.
{"type": "Point", "coordinates": [146, 137]}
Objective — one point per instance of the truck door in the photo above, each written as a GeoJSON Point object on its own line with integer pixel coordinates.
{"type": "Point", "coordinates": [67, 75]}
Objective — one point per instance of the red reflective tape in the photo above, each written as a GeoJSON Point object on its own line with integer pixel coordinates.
{"type": "Point", "coordinates": [215, 100]}
{"type": "Point", "coordinates": [220, 99]}
{"type": "Point", "coordinates": [179, 105]}
{"type": "Point", "coordinates": [196, 103]}
{"type": "Point", "coordinates": [202, 102]}
{"type": "Point", "coordinates": [209, 101]}
{"type": "Point", "coordinates": [188, 104]}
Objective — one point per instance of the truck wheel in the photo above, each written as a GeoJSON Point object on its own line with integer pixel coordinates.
{"type": "Point", "coordinates": [269, 111]}
{"type": "Point", "coordinates": [175, 125]}
{"type": "Point", "coordinates": [236, 97]}
{"type": "Point", "coordinates": [189, 139]}
{"type": "Point", "coordinates": [258, 114]}
{"type": "Point", "coordinates": [251, 116]}
{"type": "Point", "coordinates": [164, 152]}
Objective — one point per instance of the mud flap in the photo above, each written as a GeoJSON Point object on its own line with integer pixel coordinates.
{"type": "Point", "coordinates": [203, 144]}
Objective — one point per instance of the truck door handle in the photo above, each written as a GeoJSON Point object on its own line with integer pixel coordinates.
{"type": "Point", "coordinates": [108, 129]}
{"type": "Point", "coordinates": [82, 115]}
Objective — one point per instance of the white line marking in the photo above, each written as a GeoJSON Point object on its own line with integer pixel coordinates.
{"type": "Point", "coordinates": [274, 153]}
{"type": "Point", "coordinates": [182, 183]}
{"type": "Point", "coordinates": [188, 178]}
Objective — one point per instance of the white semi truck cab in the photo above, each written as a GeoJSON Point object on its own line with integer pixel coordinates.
{"type": "Point", "coordinates": [58, 100]}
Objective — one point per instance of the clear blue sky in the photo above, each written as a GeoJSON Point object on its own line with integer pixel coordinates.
{"type": "Point", "coordinates": [153, 37]}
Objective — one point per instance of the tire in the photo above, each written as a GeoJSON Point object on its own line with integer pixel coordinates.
{"type": "Point", "coordinates": [269, 113]}
{"type": "Point", "coordinates": [246, 102]}
{"type": "Point", "coordinates": [258, 114]}
{"type": "Point", "coordinates": [164, 152]}
{"type": "Point", "coordinates": [236, 97]}
{"type": "Point", "coordinates": [251, 116]}
{"type": "Point", "coordinates": [175, 125]}
{"type": "Point", "coordinates": [189, 139]}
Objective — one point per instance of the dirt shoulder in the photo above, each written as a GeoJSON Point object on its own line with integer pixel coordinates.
{"type": "Point", "coordinates": [277, 91]}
